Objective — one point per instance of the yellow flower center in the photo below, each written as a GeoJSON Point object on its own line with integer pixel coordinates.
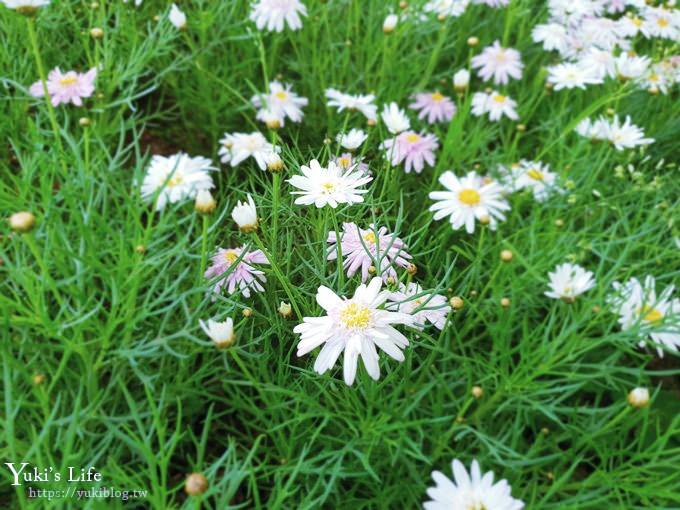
{"type": "Point", "coordinates": [412, 138]}
{"type": "Point", "coordinates": [281, 95]}
{"type": "Point", "coordinates": [636, 21]}
{"type": "Point", "coordinates": [536, 175]}
{"type": "Point", "coordinates": [230, 256]}
{"type": "Point", "coordinates": [328, 186]}
{"type": "Point", "coordinates": [499, 98]}
{"type": "Point", "coordinates": [437, 97]}
{"type": "Point", "coordinates": [369, 237]}
{"type": "Point", "coordinates": [344, 161]}
{"type": "Point", "coordinates": [174, 181]}
{"type": "Point", "coordinates": [355, 316]}
{"type": "Point", "coordinates": [651, 315]}
{"type": "Point", "coordinates": [469, 197]}
{"type": "Point", "coordinates": [68, 80]}
{"type": "Point", "coordinates": [654, 78]}
{"type": "Point", "coordinates": [662, 22]}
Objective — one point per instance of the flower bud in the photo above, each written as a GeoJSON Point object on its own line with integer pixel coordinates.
{"type": "Point", "coordinates": [96, 33]}
{"type": "Point", "coordinates": [247, 312]}
{"type": "Point", "coordinates": [456, 302]}
{"type": "Point", "coordinates": [506, 255]}
{"type": "Point", "coordinates": [390, 23]}
{"type": "Point", "coordinates": [285, 310]}
{"type": "Point", "coordinates": [274, 162]}
{"type": "Point", "coordinates": [221, 333]}
{"type": "Point", "coordinates": [477, 392]}
{"type": "Point", "coordinates": [205, 203]}
{"type": "Point", "coordinates": [473, 41]}
{"type": "Point", "coordinates": [638, 397]}
{"type": "Point", "coordinates": [461, 80]}
{"type": "Point", "coordinates": [84, 121]}
{"type": "Point", "coordinates": [22, 221]}
{"type": "Point", "coordinates": [505, 302]}
{"type": "Point", "coordinates": [245, 215]}
{"type": "Point", "coordinates": [196, 484]}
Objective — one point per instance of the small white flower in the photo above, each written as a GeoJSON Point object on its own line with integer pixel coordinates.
{"type": "Point", "coordinates": [352, 140]}
{"type": "Point", "coordinates": [594, 130]}
{"type": "Point", "coordinates": [390, 23]}
{"type": "Point", "coordinates": [245, 215]}
{"type": "Point", "coordinates": [470, 491]}
{"type": "Point", "coordinates": [494, 104]}
{"type": "Point", "coordinates": [273, 15]}
{"type": "Point", "coordinates": [638, 397]}
{"type": "Point", "coordinates": [626, 135]}
{"type": "Point", "coordinates": [461, 80]}
{"type": "Point", "coordinates": [631, 67]}
{"type": "Point", "coordinates": [355, 326]}
{"type": "Point", "coordinates": [424, 307]}
{"type": "Point", "coordinates": [221, 333]}
{"type": "Point", "coordinates": [328, 186]}
{"type": "Point", "coordinates": [395, 118]}
{"type": "Point", "coordinates": [469, 199]}
{"type": "Point", "coordinates": [279, 103]}
{"type": "Point", "coordinates": [205, 203]}
{"type": "Point", "coordinates": [498, 63]}
{"type": "Point", "coordinates": [175, 178]}
{"type": "Point", "coordinates": [571, 75]}
{"type": "Point", "coordinates": [453, 8]}
{"type": "Point", "coordinates": [569, 281]}
{"type": "Point", "coordinates": [657, 316]}
{"type": "Point", "coordinates": [237, 147]}
{"type": "Point", "coordinates": [362, 103]}
{"type": "Point", "coordinates": [532, 175]}
{"type": "Point", "coordinates": [177, 17]}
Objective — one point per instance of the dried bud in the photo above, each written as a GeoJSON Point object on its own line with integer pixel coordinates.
{"type": "Point", "coordinates": [196, 484]}
{"type": "Point", "coordinates": [412, 269]}
{"type": "Point", "coordinates": [22, 221]}
{"type": "Point", "coordinates": [247, 312]}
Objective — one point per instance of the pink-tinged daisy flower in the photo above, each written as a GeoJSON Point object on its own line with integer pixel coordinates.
{"type": "Point", "coordinates": [495, 105]}
{"type": "Point", "coordinates": [354, 326]}
{"type": "Point", "coordinates": [240, 275]}
{"type": "Point", "coordinates": [273, 15]}
{"type": "Point", "coordinates": [498, 63]}
{"type": "Point", "coordinates": [469, 199]}
{"type": "Point", "coordinates": [362, 249]}
{"type": "Point", "coordinates": [359, 102]}
{"type": "Point", "coordinates": [328, 186]}
{"type": "Point", "coordinates": [70, 87]}
{"type": "Point", "coordinates": [433, 106]}
{"type": "Point", "coordinates": [347, 161]}
{"type": "Point", "coordinates": [422, 306]}
{"type": "Point", "coordinates": [411, 148]}
{"type": "Point", "coordinates": [493, 3]}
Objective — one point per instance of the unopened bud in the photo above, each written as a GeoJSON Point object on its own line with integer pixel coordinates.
{"type": "Point", "coordinates": [22, 221]}
{"type": "Point", "coordinates": [196, 484]}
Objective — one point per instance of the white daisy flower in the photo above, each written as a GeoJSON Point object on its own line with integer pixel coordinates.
{"type": "Point", "coordinates": [237, 147]}
{"type": "Point", "coordinates": [273, 15]}
{"type": "Point", "coordinates": [395, 119]}
{"type": "Point", "coordinates": [472, 491]}
{"type": "Point", "coordinates": [630, 67]}
{"type": "Point", "coordinates": [626, 135]}
{"type": "Point", "coordinates": [598, 63]}
{"type": "Point", "coordinates": [468, 199]}
{"type": "Point", "coordinates": [221, 333]}
{"type": "Point", "coordinates": [568, 281]}
{"type": "Point", "coordinates": [329, 186]}
{"type": "Point", "coordinates": [352, 140]}
{"type": "Point", "coordinates": [355, 326]}
{"type": "Point", "coordinates": [453, 8]}
{"type": "Point", "coordinates": [532, 175]}
{"type": "Point", "coordinates": [495, 105]}
{"type": "Point", "coordinates": [25, 6]}
{"type": "Point", "coordinates": [661, 22]}
{"type": "Point", "coordinates": [278, 103]}
{"type": "Point", "coordinates": [571, 75]}
{"type": "Point", "coordinates": [175, 178]}
{"type": "Point", "coordinates": [553, 36]}
{"type": "Point", "coordinates": [362, 103]}
{"type": "Point", "coordinates": [498, 63]}
{"type": "Point", "coordinates": [594, 130]}
{"type": "Point", "coordinates": [423, 306]}
{"type": "Point", "coordinates": [657, 316]}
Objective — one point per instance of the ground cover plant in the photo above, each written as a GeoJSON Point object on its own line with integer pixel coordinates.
{"type": "Point", "coordinates": [340, 254]}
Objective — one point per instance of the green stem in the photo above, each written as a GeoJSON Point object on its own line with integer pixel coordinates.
{"type": "Point", "coordinates": [338, 246]}
{"type": "Point", "coordinates": [278, 274]}
{"type": "Point", "coordinates": [276, 182]}
{"type": "Point", "coordinates": [204, 246]}
{"type": "Point", "coordinates": [32, 35]}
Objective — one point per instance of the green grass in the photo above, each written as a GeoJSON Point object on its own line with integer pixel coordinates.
{"type": "Point", "coordinates": [133, 386]}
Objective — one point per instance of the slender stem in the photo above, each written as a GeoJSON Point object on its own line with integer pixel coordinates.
{"type": "Point", "coordinates": [279, 275]}
{"type": "Point", "coordinates": [338, 246]}
{"type": "Point", "coordinates": [32, 35]}
{"type": "Point", "coordinates": [204, 246]}
{"type": "Point", "coordinates": [276, 183]}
